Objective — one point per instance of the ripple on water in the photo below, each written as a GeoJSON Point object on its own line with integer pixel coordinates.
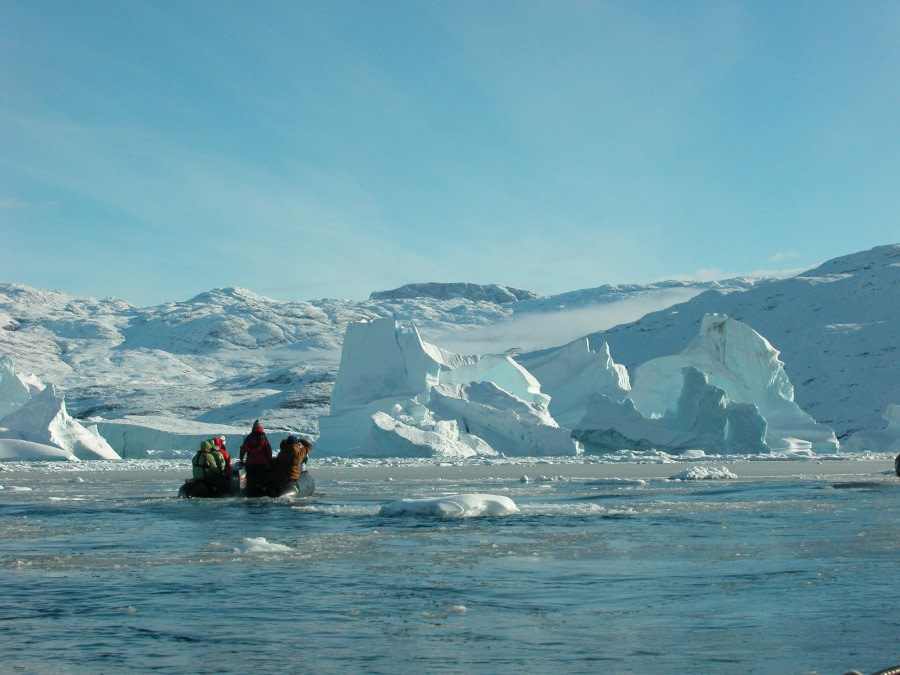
{"type": "Point", "coordinates": [105, 576]}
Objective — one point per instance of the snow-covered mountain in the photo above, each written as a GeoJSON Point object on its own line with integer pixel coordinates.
{"type": "Point", "coordinates": [229, 356]}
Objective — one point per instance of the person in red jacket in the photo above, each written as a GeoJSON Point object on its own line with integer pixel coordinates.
{"type": "Point", "coordinates": [220, 443]}
{"type": "Point", "coordinates": [258, 454]}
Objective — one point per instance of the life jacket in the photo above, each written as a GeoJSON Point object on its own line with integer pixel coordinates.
{"type": "Point", "coordinates": [208, 463]}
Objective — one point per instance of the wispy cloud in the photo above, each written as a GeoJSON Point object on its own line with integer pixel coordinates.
{"type": "Point", "coordinates": [782, 256]}
{"type": "Point", "coordinates": [537, 330]}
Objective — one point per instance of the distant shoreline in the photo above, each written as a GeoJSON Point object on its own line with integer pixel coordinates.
{"type": "Point", "coordinates": [534, 469]}
{"type": "Point", "coordinates": [625, 470]}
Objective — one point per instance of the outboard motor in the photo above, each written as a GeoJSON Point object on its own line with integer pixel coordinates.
{"type": "Point", "coordinates": [238, 479]}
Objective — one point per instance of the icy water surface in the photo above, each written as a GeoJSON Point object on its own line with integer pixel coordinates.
{"type": "Point", "coordinates": [110, 571]}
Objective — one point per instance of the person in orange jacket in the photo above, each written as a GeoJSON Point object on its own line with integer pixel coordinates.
{"type": "Point", "coordinates": [288, 465]}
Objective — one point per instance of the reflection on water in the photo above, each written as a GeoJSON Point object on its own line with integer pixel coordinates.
{"type": "Point", "coordinates": [115, 572]}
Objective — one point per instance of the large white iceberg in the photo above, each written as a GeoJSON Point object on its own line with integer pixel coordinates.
{"type": "Point", "coordinates": [704, 419]}
{"type": "Point", "coordinates": [147, 436]}
{"type": "Point", "coordinates": [744, 393]}
{"type": "Point", "coordinates": [396, 395]}
{"type": "Point", "coordinates": [19, 450]}
{"type": "Point", "coordinates": [44, 419]}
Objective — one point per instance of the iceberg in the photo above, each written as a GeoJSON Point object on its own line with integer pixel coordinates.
{"type": "Point", "coordinates": [727, 392]}
{"type": "Point", "coordinates": [18, 450]}
{"type": "Point", "coordinates": [15, 391]}
{"type": "Point", "coordinates": [396, 395]}
{"type": "Point", "coordinates": [571, 374]}
{"type": "Point", "coordinates": [154, 437]}
{"type": "Point", "coordinates": [745, 365]}
{"type": "Point", "coordinates": [44, 419]}
{"type": "Point", "coordinates": [704, 419]}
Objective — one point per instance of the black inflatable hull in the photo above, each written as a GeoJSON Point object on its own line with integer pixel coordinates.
{"type": "Point", "coordinates": [198, 489]}
{"type": "Point", "coordinates": [304, 486]}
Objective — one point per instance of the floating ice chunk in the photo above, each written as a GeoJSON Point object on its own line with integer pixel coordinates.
{"type": "Point", "coordinates": [703, 473]}
{"type": "Point", "coordinates": [617, 482]}
{"type": "Point", "coordinates": [455, 609]}
{"type": "Point", "coordinates": [452, 506]}
{"type": "Point", "coordinates": [260, 545]}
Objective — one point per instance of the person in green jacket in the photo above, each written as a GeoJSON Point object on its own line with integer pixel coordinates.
{"type": "Point", "coordinates": [208, 464]}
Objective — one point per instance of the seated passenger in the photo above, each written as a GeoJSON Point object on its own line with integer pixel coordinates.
{"type": "Point", "coordinates": [208, 463]}
{"type": "Point", "coordinates": [220, 444]}
{"type": "Point", "coordinates": [288, 465]}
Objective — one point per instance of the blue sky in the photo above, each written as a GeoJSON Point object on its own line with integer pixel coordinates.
{"type": "Point", "coordinates": [155, 150]}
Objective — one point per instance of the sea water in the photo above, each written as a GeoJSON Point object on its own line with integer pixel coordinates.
{"type": "Point", "coordinates": [108, 571]}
